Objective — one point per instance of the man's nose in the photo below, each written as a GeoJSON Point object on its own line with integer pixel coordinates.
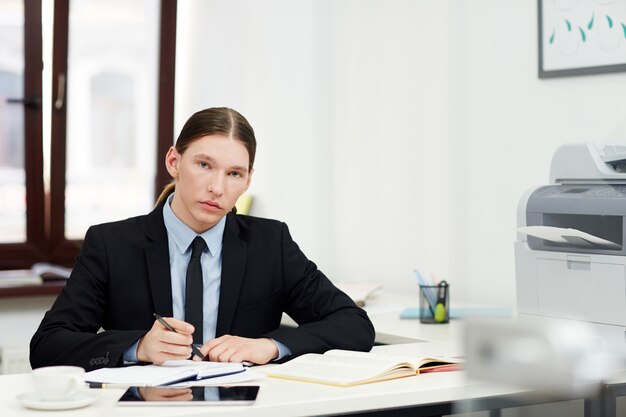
{"type": "Point", "coordinates": [216, 184]}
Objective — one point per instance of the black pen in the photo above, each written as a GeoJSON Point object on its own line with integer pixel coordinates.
{"type": "Point", "coordinates": [104, 385]}
{"type": "Point", "coordinates": [165, 324]}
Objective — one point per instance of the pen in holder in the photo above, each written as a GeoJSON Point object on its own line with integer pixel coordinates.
{"type": "Point", "coordinates": [434, 303]}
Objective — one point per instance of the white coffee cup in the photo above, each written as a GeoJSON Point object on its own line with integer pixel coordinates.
{"type": "Point", "coordinates": [59, 383]}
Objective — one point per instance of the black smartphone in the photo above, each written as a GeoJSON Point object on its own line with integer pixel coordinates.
{"type": "Point", "coordinates": [190, 395]}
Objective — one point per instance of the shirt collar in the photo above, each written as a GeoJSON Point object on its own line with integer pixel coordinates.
{"type": "Point", "coordinates": [183, 235]}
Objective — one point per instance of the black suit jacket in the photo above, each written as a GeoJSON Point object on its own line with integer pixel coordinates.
{"type": "Point", "coordinates": [122, 277]}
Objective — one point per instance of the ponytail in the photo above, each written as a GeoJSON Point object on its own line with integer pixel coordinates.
{"type": "Point", "coordinates": [169, 189]}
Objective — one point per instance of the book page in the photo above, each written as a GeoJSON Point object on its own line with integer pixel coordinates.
{"type": "Point", "coordinates": [45, 269]}
{"type": "Point", "coordinates": [340, 370]}
{"type": "Point", "coordinates": [18, 277]}
{"type": "Point", "coordinates": [414, 361]}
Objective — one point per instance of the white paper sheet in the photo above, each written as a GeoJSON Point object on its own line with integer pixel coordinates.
{"type": "Point", "coordinates": [567, 236]}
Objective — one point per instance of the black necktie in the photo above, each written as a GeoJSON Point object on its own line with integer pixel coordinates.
{"type": "Point", "coordinates": [193, 290]}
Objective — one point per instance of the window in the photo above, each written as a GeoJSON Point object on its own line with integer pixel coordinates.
{"type": "Point", "coordinates": [93, 152]}
{"type": "Point", "coordinates": [111, 123]}
{"type": "Point", "coordinates": [12, 172]}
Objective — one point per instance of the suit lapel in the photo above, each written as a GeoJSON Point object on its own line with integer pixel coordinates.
{"type": "Point", "coordinates": [158, 262]}
{"type": "Point", "coordinates": [233, 268]}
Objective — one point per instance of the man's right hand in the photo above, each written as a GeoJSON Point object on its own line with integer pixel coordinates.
{"type": "Point", "coordinates": [160, 345]}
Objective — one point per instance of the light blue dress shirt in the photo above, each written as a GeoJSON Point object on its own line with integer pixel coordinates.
{"type": "Point", "coordinates": [180, 236]}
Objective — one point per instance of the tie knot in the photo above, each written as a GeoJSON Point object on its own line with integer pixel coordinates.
{"type": "Point", "coordinates": [197, 246]}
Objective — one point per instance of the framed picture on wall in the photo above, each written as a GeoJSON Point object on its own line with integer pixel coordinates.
{"type": "Point", "coordinates": [578, 37]}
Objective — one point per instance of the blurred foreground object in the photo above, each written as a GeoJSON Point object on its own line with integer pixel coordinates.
{"type": "Point", "coordinates": [244, 203]}
{"type": "Point", "coordinates": [557, 357]}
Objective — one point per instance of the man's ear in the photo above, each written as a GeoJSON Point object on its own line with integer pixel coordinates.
{"type": "Point", "coordinates": [172, 159]}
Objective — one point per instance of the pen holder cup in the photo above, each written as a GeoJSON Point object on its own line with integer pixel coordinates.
{"type": "Point", "coordinates": [434, 304]}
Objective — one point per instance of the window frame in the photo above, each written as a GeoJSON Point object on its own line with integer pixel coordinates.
{"type": "Point", "coordinates": [45, 212]}
{"type": "Point", "coordinates": [17, 255]}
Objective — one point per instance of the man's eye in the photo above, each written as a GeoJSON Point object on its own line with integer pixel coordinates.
{"type": "Point", "coordinates": [235, 174]}
{"type": "Point", "coordinates": [203, 164]}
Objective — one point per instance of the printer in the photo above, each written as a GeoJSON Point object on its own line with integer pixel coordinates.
{"type": "Point", "coordinates": [570, 252]}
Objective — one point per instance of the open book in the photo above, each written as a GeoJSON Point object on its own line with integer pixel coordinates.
{"type": "Point", "coordinates": [169, 373]}
{"type": "Point", "coordinates": [346, 367]}
{"type": "Point", "coordinates": [36, 275]}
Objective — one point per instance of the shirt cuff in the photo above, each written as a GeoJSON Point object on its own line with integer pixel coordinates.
{"type": "Point", "coordinates": [130, 354]}
{"type": "Point", "coordinates": [283, 351]}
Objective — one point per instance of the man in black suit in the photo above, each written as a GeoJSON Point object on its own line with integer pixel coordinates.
{"type": "Point", "coordinates": [129, 270]}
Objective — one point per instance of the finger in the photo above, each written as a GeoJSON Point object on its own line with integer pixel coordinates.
{"type": "Point", "coordinates": [179, 325]}
{"type": "Point", "coordinates": [214, 354]}
{"type": "Point", "coordinates": [177, 392]}
{"type": "Point", "coordinates": [175, 338]}
{"type": "Point", "coordinates": [182, 397]}
{"type": "Point", "coordinates": [239, 356]}
{"type": "Point", "coordinates": [234, 355]}
{"type": "Point", "coordinates": [175, 350]}
{"type": "Point", "coordinates": [227, 355]}
{"type": "Point", "coordinates": [212, 344]}
{"type": "Point", "coordinates": [161, 357]}
{"type": "Point", "coordinates": [174, 392]}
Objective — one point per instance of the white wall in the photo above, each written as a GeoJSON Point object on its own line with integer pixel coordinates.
{"type": "Point", "coordinates": [353, 142]}
{"type": "Point", "coordinates": [394, 134]}
{"type": "Point", "coordinates": [20, 317]}
{"type": "Point", "coordinates": [392, 176]}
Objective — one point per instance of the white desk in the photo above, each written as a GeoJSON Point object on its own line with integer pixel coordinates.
{"type": "Point", "coordinates": [289, 398]}
{"type": "Point", "coordinates": [282, 398]}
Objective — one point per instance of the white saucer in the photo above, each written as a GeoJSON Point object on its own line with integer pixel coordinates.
{"type": "Point", "coordinates": [32, 400]}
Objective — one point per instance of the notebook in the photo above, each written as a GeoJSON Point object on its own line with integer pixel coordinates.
{"type": "Point", "coordinates": [168, 373]}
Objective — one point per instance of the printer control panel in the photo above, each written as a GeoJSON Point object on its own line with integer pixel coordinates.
{"type": "Point", "coordinates": [614, 192]}
{"type": "Point", "coordinates": [581, 191]}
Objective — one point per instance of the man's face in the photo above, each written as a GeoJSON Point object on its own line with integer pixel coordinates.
{"type": "Point", "coordinates": [210, 176]}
